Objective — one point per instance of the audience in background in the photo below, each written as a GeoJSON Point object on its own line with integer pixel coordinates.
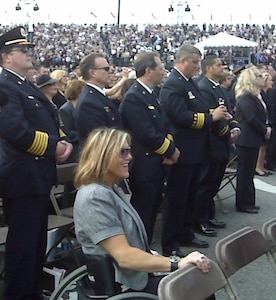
{"type": "Point", "coordinates": [63, 46]}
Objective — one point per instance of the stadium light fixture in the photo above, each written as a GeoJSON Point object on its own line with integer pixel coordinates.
{"type": "Point", "coordinates": [170, 9]}
{"type": "Point", "coordinates": [36, 8]}
{"type": "Point", "coordinates": [187, 8]}
{"type": "Point", "coordinates": [18, 7]}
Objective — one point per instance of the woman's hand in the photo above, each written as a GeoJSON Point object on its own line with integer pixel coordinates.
{"type": "Point", "coordinates": [198, 259]}
{"type": "Point", "coordinates": [268, 133]}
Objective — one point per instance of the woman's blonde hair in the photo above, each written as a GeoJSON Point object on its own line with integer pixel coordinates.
{"type": "Point", "coordinates": [74, 88]}
{"type": "Point", "coordinates": [246, 82]}
{"type": "Point", "coordinates": [58, 75]}
{"type": "Point", "coordinates": [101, 147]}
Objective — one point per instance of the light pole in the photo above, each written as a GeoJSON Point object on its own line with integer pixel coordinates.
{"type": "Point", "coordinates": [119, 12]}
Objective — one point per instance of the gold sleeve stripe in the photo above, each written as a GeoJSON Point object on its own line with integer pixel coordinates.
{"type": "Point", "coordinates": [224, 130]}
{"type": "Point", "coordinates": [170, 137]}
{"type": "Point", "coordinates": [39, 144]}
{"type": "Point", "coordinates": [199, 119]}
{"type": "Point", "coordinates": [61, 133]}
{"type": "Point", "coordinates": [164, 147]}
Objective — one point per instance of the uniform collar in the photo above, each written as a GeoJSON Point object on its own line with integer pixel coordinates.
{"type": "Point", "coordinates": [102, 91]}
{"type": "Point", "coordinates": [185, 77]}
{"type": "Point", "coordinates": [16, 74]}
{"type": "Point", "coordinates": [213, 82]}
{"type": "Point", "coordinates": [145, 86]}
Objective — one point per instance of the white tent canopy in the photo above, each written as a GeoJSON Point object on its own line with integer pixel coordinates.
{"type": "Point", "coordinates": [225, 41]}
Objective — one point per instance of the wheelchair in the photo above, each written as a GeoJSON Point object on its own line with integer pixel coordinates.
{"type": "Point", "coordinates": [94, 280]}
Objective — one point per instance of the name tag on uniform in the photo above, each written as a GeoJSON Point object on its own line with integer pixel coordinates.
{"type": "Point", "coordinates": [191, 95]}
{"type": "Point", "coordinates": [151, 107]}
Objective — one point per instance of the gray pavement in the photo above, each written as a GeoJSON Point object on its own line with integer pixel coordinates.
{"type": "Point", "coordinates": [257, 280]}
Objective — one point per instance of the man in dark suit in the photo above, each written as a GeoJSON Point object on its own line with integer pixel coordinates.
{"type": "Point", "coordinates": [222, 135]}
{"type": "Point", "coordinates": [94, 108]}
{"type": "Point", "coordinates": [152, 144]}
{"type": "Point", "coordinates": [30, 144]}
{"type": "Point", "coordinates": [190, 122]}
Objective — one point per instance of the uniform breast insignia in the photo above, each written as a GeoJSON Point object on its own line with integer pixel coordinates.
{"type": "Point", "coordinates": [31, 97]}
{"type": "Point", "coordinates": [191, 95]}
{"type": "Point", "coordinates": [220, 101]}
{"type": "Point", "coordinates": [151, 107]}
{"type": "Point", "coordinates": [107, 108]}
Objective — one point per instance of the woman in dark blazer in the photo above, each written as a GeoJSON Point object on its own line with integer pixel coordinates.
{"type": "Point", "coordinates": [251, 115]}
{"type": "Point", "coordinates": [67, 115]}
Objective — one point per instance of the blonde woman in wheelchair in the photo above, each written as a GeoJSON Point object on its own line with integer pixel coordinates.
{"type": "Point", "coordinates": [107, 224]}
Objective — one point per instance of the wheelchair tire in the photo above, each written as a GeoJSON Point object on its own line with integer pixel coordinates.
{"type": "Point", "coordinates": [71, 287]}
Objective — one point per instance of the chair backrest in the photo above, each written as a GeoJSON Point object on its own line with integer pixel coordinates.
{"type": "Point", "coordinates": [3, 235]}
{"type": "Point", "coordinates": [239, 249]}
{"type": "Point", "coordinates": [191, 283]}
{"type": "Point", "coordinates": [65, 172]}
{"type": "Point", "coordinates": [269, 232]}
{"type": "Point", "coordinates": [273, 235]}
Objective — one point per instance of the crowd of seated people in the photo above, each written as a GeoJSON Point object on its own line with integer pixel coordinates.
{"type": "Point", "coordinates": [63, 46]}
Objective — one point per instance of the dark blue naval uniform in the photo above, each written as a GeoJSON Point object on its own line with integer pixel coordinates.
{"type": "Point", "coordinates": [213, 168]}
{"type": "Point", "coordinates": [190, 122]}
{"type": "Point", "coordinates": [94, 110]}
{"type": "Point", "coordinates": [143, 117]}
{"type": "Point", "coordinates": [29, 132]}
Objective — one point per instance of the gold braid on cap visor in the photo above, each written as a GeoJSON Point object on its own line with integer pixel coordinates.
{"type": "Point", "coordinates": [18, 41]}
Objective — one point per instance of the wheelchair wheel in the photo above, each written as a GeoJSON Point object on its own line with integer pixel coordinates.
{"type": "Point", "coordinates": [79, 286]}
{"type": "Point", "coordinates": [76, 286]}
{"type": "Point", "coordinates": [134, 296]}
